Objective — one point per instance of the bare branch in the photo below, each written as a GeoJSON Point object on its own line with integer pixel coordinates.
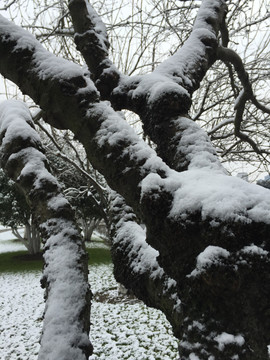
{"type": "Point", "coordinates": [8, 6]}
{"type": "Point", "coordinates": [228, 55]}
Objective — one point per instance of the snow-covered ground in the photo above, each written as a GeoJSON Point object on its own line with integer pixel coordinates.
{"type": "Point", "coordinates": [121, 328]}
{"type": "Point", "coordinates": [6, 245]}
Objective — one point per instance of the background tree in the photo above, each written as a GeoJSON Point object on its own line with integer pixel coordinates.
{"type": "Point", "coordinates": [15, 213]}
{"type": "Point", "coordinates": [203, 258]}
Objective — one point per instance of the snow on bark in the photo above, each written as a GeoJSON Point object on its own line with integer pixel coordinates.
{"type": "Point", "coordinates": [47, 64]}
{"type": "Point", "coordinates": [204, 187]}
{"type": "Point", "coordinates": [115, 131]}
{"type": "Point", "coordinates": [192, 147]}
{"type": "Point", "coordinates": [181, 74]}
{"type": "Point", "coordinates": [165, 95]}
{"type": "Point", "coordinates": [98, 26]}
{"type": "Point", "coordinates": [137, 263]}
{"type": "Point", "coordinates": [254, 250]}
{"type": "Point", "coordinates": [225, 339]}
{"type": "Point", "coordinates": [219, 197]}
{"type": "Point", "coordinates": [92, 41]}
{"type": "Point", "coordinates": [212, 255]}
{"type": "Point", "coordinates": [127, 230]}
{"type": "Point", "coordinates": [66, 318]}
{"type": "Point", "coordinates": [95, 28]}
{"type": "Point", "coordinates": [62, 336]}
{"type": "Point", "coordinates": [185, 66]}
{"type": "Point", "coordinates": [49, 80]}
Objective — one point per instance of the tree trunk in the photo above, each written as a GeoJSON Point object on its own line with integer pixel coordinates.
{"type": "Point", "coordinates": [32, 238]}
{"type": "Point", "coordinates": [88, 227]}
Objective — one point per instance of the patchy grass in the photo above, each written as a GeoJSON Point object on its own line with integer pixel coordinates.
{"type": "Point", "coordinates": [99, 256]}
{"type": "Point", "coordinates": [125, 330]}
{"type": "Point", "coordinates": [19, 261]}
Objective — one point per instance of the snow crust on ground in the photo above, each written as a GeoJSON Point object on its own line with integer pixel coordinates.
{"type": "Point", "coordinates": [124, 330]}
{"type": "Point", "coordinates": [21, 308]}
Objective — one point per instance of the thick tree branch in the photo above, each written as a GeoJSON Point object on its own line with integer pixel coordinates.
{"type": "Point", "coordinates": [92, 41]}
{"type": "Point", "coordinates": [136, 265]}
{"type": "Point", "coordinates": [66, 266]}
{"type": "Point", "coordinates": [184, 70]}
{"type": "Point", "coordinates": [69, 100]}
{"type": "Point", "coordinates": [160, 96]}
{"type": "Point", "coordinates": [165, 94]}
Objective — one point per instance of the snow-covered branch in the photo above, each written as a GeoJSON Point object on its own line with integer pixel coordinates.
{"type": "Point", "coordinates": [67, 313]}
{"type": "Point", "coordinates": [69, 100]}
{"type": "Point", "coordinates": [180, 75]}
{"type": "Point", "coordinates": [166, 92]}
{"type": "Point", "coordinates": [136, 264]}
{"type": "Point", "coordinates": [52, 82]}
{"type": "Point", "coordinates": [92, 41]}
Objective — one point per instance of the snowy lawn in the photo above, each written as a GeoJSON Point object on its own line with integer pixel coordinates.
{"type": "Point", "coordinates": [7, 245]}
{"type": "Point", "coordinates": [122, 327]}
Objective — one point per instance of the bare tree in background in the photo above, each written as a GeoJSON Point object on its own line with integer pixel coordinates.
{"type": "Point", "coordinates": [203, 257]}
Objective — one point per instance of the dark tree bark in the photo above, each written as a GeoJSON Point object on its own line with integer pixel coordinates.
{"type": "Point", "coordinates": [204, 256]}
